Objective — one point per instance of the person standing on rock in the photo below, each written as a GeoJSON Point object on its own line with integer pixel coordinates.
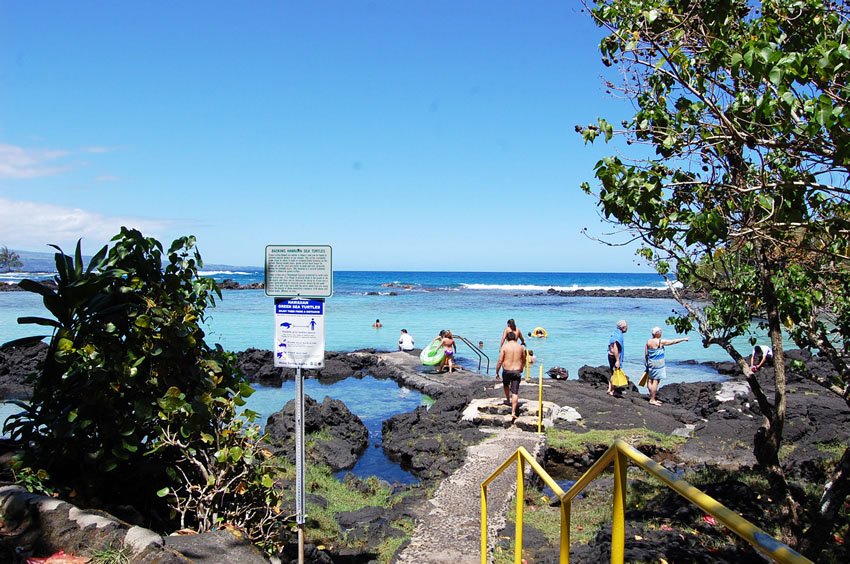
{"type": "Point", "coordinates": [655, 367]}
{"type": "Point", "coordinates": [616, 351]}
{"type": "Point", "coordinates": [511, 361]}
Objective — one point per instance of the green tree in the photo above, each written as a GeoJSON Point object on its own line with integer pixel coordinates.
{"type": "Point", "coordinates": [9, 259]}
{"type": "Point", "coordinates": [131, 398]}
{"type": "Point", "coordinates": [741, 183]}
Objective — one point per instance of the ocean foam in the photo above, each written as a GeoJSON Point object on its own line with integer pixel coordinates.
{"type": "Point", "coordinates": [214, 272]}
{"type": "Point", "coordinates": [538, 288]}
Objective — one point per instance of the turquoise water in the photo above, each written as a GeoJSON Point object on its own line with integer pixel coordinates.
{"type": "Point", "coordinates": [475, 305]}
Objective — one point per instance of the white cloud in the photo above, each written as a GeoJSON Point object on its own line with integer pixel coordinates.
{"type": "Point", "coordinates": [32, 225]}
{"type": "Point", "coordinates": [18, 162]}
{"type": "Point", "coordinates": [22, 162]}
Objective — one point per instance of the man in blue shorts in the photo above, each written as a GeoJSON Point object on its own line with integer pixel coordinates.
{"type": "Point", "coordinates": [511, 360]}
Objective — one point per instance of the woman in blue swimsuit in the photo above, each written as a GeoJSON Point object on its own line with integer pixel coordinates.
{"type": "Point", "coordinates": [655, 365]}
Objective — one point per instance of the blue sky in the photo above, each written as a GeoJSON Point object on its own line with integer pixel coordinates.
{"type": "Point", "coordinates": [416, 135]}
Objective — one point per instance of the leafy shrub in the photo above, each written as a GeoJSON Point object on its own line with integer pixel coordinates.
{"type": "Point", "coordinates": [225, 477]}
{"type": "Point", "coordinates": [131, 397]}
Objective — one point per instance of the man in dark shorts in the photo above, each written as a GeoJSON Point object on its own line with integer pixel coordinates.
{"type": "Point", "coordinates": [511, 360]}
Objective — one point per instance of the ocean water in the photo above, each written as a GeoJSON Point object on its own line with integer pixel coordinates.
{"type": "Point", "coordinates": [475, 305]}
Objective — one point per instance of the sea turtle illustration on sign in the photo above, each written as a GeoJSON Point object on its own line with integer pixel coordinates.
{"type": "Point", "coordinates": [286, 325]}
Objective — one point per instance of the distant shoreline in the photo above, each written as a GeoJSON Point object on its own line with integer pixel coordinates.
{"type": "Point", "coordinates": [652, 293]}
{"type": "Point", "coordinates": [626, 293]}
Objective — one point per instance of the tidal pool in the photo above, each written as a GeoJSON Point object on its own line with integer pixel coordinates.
{"type": "Point", "coordinates": [371, 399]}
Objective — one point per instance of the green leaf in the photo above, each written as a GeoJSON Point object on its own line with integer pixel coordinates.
{"type": "Point", "coordinates": [735, 60]}
{"type": "Point", "coordinates": [39, 321]}
{"type": "Point", "coordinates": [775, 75]}
{"type": "Point", "coordinates": [78, 259]}
{"type": "Point", "coordinates": [163, 492]}
{"type": "Point", "coordinates": [36, 287]}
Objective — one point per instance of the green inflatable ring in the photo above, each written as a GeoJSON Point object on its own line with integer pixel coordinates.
{"type": "Point", "coordinates": [433, 354]}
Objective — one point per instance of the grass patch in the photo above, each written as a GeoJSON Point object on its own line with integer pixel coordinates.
{"type": "Point", "coordinates": [111, 556]}
{"type": "Point", "coordinates": [322, 527]}
{"type": "Point", "coordinates": [387, 550]}
{"type": "Point", "coordinates": [834, 449]}
{"type": "Point", "coordinates": [576, 443]}
{"type": "Point", "coordinates": [320, 436]}
{"type": "Point", "coordinates": [786, 450]}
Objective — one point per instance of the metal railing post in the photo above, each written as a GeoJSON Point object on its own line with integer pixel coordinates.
{"type": "Point", "coordinates": [619, 455]}
{"type": "Point", "coordinates": [565, 532]}
{"type": "Point", "coordinates": [618, 522]}
{"type": "Point", "coordinates": [540, 401]}
{"type": "Point", "coordinates": [483, 524]}
{"type": "Point", "coordinates": [520, 507]}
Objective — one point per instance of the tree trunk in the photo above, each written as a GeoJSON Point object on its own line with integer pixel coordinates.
{"type": "Point", "coordinates": [768, 439]}
{"type": "Point", "coordinates": [823, 522]}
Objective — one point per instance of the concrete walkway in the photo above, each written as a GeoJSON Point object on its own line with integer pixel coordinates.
{"type": "Point", "coordinates": [451, 531]}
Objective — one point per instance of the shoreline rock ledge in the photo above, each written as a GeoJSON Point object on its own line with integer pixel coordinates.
{"type": "Point", "coordinates": [655, 293]}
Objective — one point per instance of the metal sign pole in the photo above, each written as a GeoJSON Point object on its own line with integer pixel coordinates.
{"type": "Point", "coordinates": [299, 277]}
{"type": "Point", "coordinates": [300, 497]}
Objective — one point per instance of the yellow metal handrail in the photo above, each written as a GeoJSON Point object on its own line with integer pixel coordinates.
{"type": "Point", "coordinates": [619, 454]}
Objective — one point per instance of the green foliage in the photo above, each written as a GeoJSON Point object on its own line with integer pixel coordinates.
{"type": "Point", "coordinates": [741, 106]}
{"type": "Point", "coordinates": [32, 480]}
{"type": "Point", "coordinates": [223, 477]}
{"type": "Point", "coordinates": [131, 396]}
{"type": "Point", "coordinates": [9, 259]}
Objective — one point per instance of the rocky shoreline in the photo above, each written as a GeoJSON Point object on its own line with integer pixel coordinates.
{"type": "Point", "coordinates": [715, 420]}
{"type": "Point", "coordinates": [653, 293]}
{"type": "Point", "coordinates": [717, 414]}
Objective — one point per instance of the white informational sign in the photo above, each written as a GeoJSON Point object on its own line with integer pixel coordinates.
{"type": "Point", "coordinates": [299, 333]}
{"type": "Point", "coordinates": [299, 270]}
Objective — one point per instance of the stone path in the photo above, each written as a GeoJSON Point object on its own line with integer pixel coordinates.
{"type": "Point", "coordinates": [451, 530]}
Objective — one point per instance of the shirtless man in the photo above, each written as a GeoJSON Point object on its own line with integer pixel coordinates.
{"type": "Point", "coordinates": [512, 360]}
